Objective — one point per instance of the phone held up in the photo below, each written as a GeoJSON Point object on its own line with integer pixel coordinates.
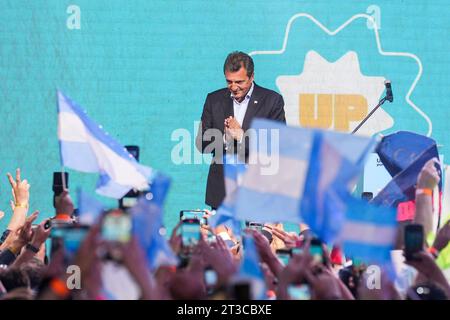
{"type": "Point", "coordinates": [414, 240]}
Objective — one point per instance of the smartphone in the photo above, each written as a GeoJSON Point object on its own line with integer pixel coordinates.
{"type": "Point", "coordinates": [58, 185]}
{"type": "Point", "coordinates": [316, 251]}
{"type": "Point", "coordinates": [194, 214]}
{"type": "Point", "coordinates": [414, 239]}
{"type": "Point", "coordinates": [190, 232]}
{"type": "Point", "coordinates": [129, 200]}
{"type": "Point", "coordinates": [284, 255]}
{"type": "Point", "coordinates": [299, 292]}
{"type": "Point", "coordinates": [255, 226]}
{"type": "Point", "coordinates": [69, 237]}
{"type": "Point", "coordinates": [117, 226]}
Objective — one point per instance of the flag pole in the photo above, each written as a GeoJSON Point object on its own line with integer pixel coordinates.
{"type": "Point", "coordinates": [63, 178]}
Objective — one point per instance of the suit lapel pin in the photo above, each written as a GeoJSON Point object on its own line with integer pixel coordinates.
{"type": "Point", "coordinates": [256, 101]}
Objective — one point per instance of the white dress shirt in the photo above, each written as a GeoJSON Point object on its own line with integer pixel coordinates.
{"type": "Point", "coordinates": [240, 108]}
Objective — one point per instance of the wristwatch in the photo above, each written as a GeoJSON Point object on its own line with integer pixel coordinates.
{"type": "Point", "coordinates": [32, 248]}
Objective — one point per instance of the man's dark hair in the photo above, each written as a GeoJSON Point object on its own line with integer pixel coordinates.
{"type": "Point", "coordinates": [236, 60]}
{"type": "Point", "coordinates": [14, 278]}
{"type": "Point", "coordinates": [35, 272]}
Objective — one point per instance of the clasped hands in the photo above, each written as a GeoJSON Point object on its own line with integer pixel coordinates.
{"type": "Point", "coordinates": [233, 129]}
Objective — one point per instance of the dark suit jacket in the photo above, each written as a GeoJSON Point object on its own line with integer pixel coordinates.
{"type": "Point", "coordinates": [264, 103]}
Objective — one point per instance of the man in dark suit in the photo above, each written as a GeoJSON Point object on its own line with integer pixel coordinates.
{"type": "Point", "coordinates": [227, 115]}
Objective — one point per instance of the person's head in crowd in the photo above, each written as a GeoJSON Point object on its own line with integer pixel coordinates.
{"type": "Point", "coordinates": [239, 73]}
{"type": "Point", "coordinates": [21, 293]}
{"type": "Point", "coordinates": [34, 269]}
{"type": "Point", "coordinates": [350, 277]}
{"type": "Point", "coordinates": [164, 276]}
{"type": "Point", "coordinates": [13, 278]}
{"type": "Point", "coordinates": [187, 285]}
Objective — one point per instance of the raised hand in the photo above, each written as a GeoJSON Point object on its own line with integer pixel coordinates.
{"type": "Point", "coordinates": [175, 240]}
{"type": "Point", "coordinates": [40, 235]}
{"type": "Point", "coordinates": [219, 258]}
{"type": "Point", "coordinates": [429, 176]}
{"type": "Point", "coordinates": [324, 284]}
{"type": "Point", "coordinates": [265, 252]}
{"type": "Point", "coordinates": [20, 190]}
{"type": "Point", "coordinates": [233, 129]}
{"type": "Point", "coordinates": [443, 237]}
{"type": "Point", "coordinates": [64, 204]}
{"type": "Point", "coordinates": [290, 239]}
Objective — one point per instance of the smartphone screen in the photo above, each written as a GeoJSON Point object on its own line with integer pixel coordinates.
{"type": "Point", "coordinates": [413, 239]}
{"type": "Point", "coordinates": [128, 202]}
{"type": "Point", "coordinates": [190, 232]}
{"type": "Point", "coordinates": [316, 251]}
{"type": "Point", "coordinates": [255, 226]}
{"type": "Point", "coordinates": [194, 214]}
{"type": "Point", "coordinates": [299, 292]}
{"type": "Point", "coordinates": [284, 255]}
{"type": "Point", "coordinates": [117, 227]}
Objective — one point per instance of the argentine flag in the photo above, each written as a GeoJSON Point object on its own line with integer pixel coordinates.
{"type": "Point", "coordinates": [233, 171]}
{"type": "Point", "coordinates": [296, 175]}
{"type": "Point", "coordinates": [147, 218]}
{"type": "Point", "coordinates": [369, 232]}
{"type": "Point", "coordinates": [89, 208]}
{"type": "Point", "coordinates": [250, 270]}
{"type": "Point", "coordinates": [86, 147]}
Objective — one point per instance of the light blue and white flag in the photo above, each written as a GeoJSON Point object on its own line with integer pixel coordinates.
{"type": "Point", "coordinates": [296, 174]}
{"type": "Point", "coordinates": [233, 170]}
{"type": "Point", "coordinates": [369, 232]}
{"type": "Point", "coordinates": [89, 208]}
{"type": "Point", "coordinates": [147, 217]}
{"type": "Point", "coordinates": [86, 147]}
{"type": "Point", "coordinates": [250, 269]}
